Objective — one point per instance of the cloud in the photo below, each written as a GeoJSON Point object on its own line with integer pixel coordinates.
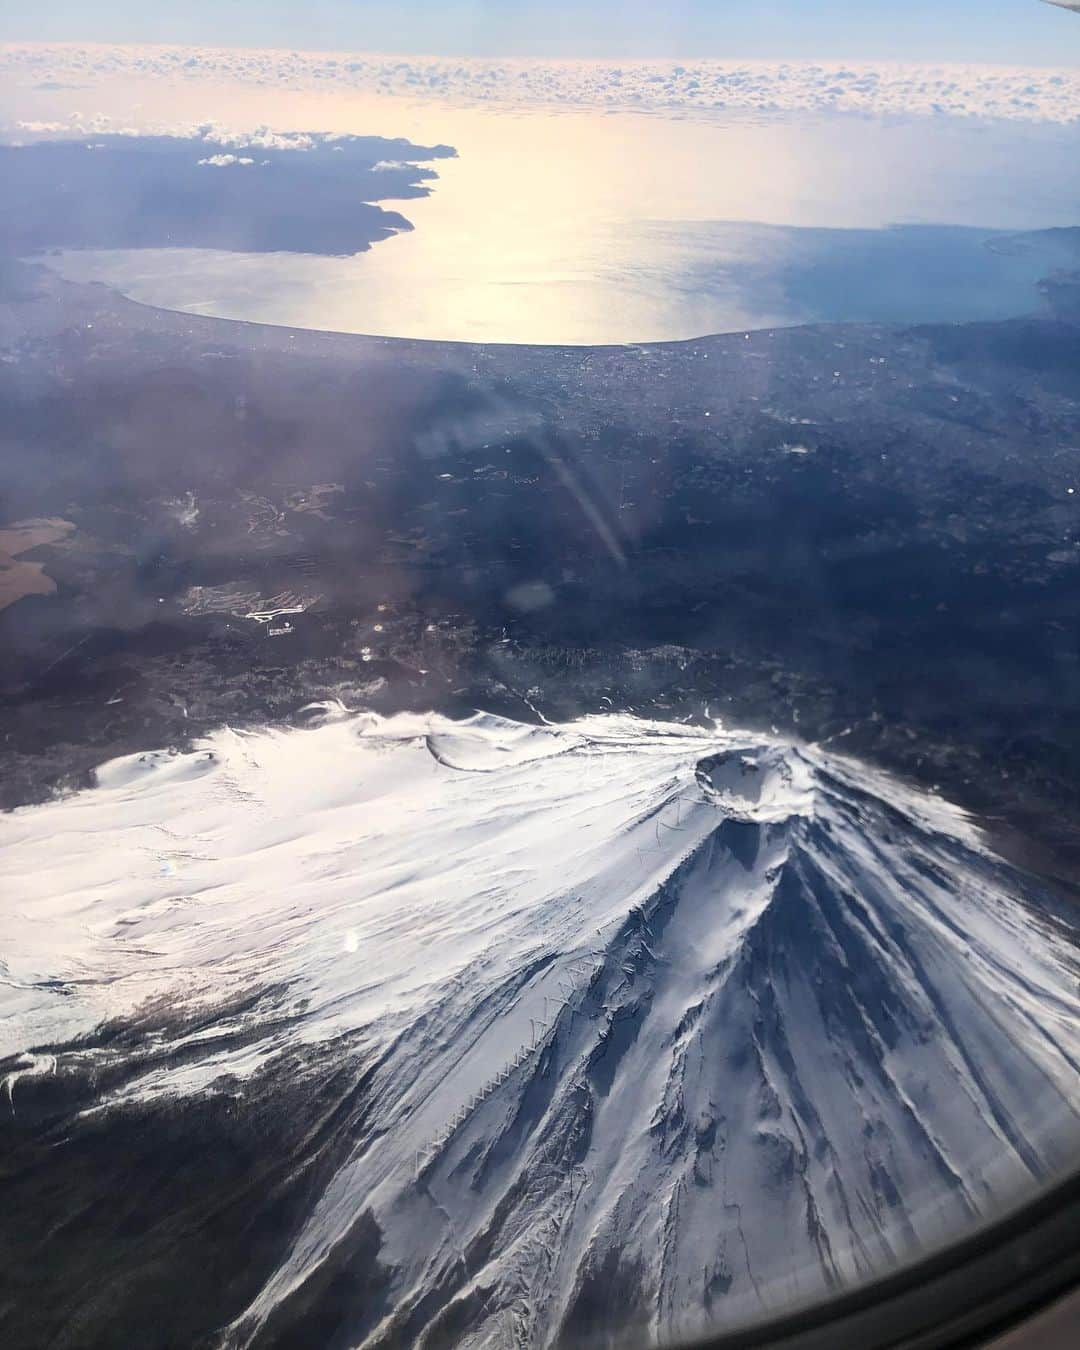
{"type": "Point", "coordinates": [880, 88]}
{"type": "Point", "coordinates": [264, 138]}
{"type": "Point", "coordinates": [223, 161]}
{"type": "Point", "coordinates": [43, 128]}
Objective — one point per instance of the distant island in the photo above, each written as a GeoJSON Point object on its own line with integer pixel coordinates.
{"type": "Point", "coordinates": [307, 194]}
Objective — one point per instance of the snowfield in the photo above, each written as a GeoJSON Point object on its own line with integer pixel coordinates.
{"type": "Point", "coordinates": [668, 1026]}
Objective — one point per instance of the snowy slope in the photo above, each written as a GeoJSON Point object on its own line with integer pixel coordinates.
{"type": "Point", "coordinates": [669, 1025]}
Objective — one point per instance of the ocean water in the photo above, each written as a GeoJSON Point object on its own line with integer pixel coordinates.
{"type": "Point", "coordinates": [593, 227]}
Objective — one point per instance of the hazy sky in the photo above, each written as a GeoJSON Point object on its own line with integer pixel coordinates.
{"type": "Point", "coordinates": [1014, 31]}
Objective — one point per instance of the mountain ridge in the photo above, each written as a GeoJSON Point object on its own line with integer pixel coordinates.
{"type": "Point", "coordinates": [714, 1020]}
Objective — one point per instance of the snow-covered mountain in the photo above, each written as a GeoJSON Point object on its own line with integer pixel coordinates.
{"type": "Point", "coordinates": [662, 1027]}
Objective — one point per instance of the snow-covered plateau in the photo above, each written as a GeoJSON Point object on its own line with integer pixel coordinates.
{"type": "Point", "coordinates": [662, 1027]}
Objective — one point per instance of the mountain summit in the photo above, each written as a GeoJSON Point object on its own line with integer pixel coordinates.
{"type": "Point", "coordinates": [650, 1027]}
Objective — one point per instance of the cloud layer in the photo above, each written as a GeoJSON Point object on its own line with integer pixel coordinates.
{"type": "Point", "coordinates": [1044, 95]}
